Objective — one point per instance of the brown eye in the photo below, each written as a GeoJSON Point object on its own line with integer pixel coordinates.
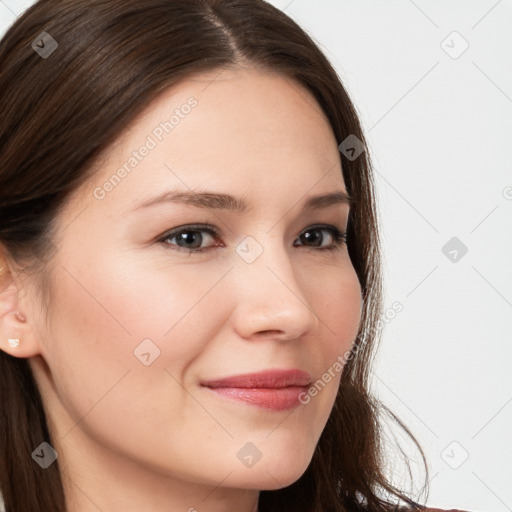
{"type": "Point", "coordinates": [312, 236]}
{"type": "Point", "coordinates": [190, 237]}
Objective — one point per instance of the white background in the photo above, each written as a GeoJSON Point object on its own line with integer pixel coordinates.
{"type": "Point", "coordinates": [439, 123]}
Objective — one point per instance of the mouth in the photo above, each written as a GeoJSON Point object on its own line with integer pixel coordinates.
{"type": "Point", "coordinates": [274, 399]}
{"type": "Point", "coordinates": [265, 379]}
{"type": "Point", "coordinates": [275, 390]}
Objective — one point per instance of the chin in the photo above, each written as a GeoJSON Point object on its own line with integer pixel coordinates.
{"type": "Point", "coordinates": [274, 474]}
{"type": "Point", "coordinates": [278, 479]}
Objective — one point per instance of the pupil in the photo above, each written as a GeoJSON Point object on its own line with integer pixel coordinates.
{"type": "Point", "coordinates": [308, 236]}
{"type": "Point", "coordinates": [189, 237]}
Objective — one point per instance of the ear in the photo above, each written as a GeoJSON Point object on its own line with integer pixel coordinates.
{"type": "Point", "coordinates": [15, 321]}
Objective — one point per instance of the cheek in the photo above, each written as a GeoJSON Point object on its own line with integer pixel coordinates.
{"type": "Point", "coordinates": [106, 318]}
{"type": "Point", "coordinates": [339, 304]}
{"type": "Point", "coordinates": [117, 305]}
{"type": "Point", "coordinates": [339, 312]}
{"type": "Point", "coordinates": [97, 324]}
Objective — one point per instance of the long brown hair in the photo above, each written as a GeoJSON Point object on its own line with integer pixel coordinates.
{"type": "Point", "coordinates": [61, 112]}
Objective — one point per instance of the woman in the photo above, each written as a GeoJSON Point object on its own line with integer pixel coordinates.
{"type": "Point", "coordinates": [190, 281]}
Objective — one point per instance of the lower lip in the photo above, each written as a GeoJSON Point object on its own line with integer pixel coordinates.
{"type": "Point", "coordinates": [275, 399]}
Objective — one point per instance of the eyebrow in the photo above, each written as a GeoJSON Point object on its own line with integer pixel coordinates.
{"type": "Point", "coordinates": [220, 201]}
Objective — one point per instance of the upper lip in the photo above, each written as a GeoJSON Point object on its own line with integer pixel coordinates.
{"type": "Point", "coordinates": [263, 379]}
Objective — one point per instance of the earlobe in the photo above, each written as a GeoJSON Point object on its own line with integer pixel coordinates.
{"type": "Point", "coordinates": [16, 337]}
{"type": "Point", "coordinates": [13, 342]}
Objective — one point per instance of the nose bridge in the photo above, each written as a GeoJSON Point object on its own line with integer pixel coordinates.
{"type": "Point", "coordinates": [270, 291]}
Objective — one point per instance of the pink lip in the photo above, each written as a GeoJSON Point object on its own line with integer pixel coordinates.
{"type": "Point", "coordinates": [271, 389]}
{"type": "Point", "coordinates": [264, 379]}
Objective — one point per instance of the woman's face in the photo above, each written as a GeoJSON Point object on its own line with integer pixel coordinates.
{"type": "Point", "coordinates": [137, 321]}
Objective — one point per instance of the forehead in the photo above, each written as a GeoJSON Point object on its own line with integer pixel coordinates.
{"type": "Point", "coordinates": [247, 129]}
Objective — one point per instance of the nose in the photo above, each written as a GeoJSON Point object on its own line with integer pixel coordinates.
{"type": "Point", "coordinates": [270, 302]}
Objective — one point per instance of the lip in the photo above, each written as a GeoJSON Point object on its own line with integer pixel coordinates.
{"type": "Point", "coordinates": [270, 379]}
{"type": "Point", "coordinates": [275, 390]}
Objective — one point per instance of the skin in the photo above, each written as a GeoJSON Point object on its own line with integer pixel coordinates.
{"type": "Point", "coordinates": [133, 437]}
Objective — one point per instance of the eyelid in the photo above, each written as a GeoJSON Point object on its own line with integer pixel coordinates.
{"type": "Point", "coordinates": [190, 227]}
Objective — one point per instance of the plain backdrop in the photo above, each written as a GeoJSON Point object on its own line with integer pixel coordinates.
{"type": "Point", "coordinates": [432, 81]}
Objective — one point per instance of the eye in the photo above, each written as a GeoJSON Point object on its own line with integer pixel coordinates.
{"type": "Point", "coordinates": [339, 237]}
{"type": "Point", "coordinates": [191, 238]}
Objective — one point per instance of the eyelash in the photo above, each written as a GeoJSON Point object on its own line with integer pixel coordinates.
{"type": "Point", "coordinates": [340, 238]}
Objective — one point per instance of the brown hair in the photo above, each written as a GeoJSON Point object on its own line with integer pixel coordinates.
{"type": "Point", "coordinates": [58, 116]}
